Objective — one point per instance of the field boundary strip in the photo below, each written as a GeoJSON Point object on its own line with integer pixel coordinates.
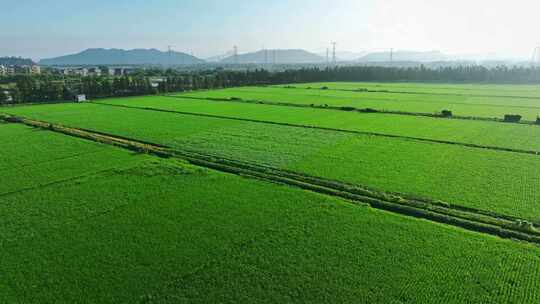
{"type": "Point", "coordinates": [420, 139]}
{"type": "Point", "coordinates": [484, 222]}
{"type": "Point", "coordinates": [353, 109]}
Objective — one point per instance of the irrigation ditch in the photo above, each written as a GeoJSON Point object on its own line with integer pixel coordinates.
{"type": "Point", "coordinates": [436, 211]}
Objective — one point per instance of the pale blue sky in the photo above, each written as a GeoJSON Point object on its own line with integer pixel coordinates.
{"type": "Point", "coordinates": [39, 28]}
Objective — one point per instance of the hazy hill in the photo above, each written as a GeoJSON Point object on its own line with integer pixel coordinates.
{"type": "Point", "coordinates": [119, 57]}
{"type": "Point", "coordinates": [430, 56]}
{"type": "Point", "coordinates": [281, 57]}
{"type": "Point", "coordinates": [218, 58]}
{"type": "Point", "coordinates": [15, 61]}
{"type": "Point", "coordinates": [343, 55]}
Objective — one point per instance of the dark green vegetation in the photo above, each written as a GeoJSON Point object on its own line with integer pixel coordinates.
{"type": "Point", "coordinates": [136, 228]}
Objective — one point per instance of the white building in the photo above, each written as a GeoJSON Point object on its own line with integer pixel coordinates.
{"type": "Point", "coordinates": [3, 70]}
{"type": "Point", "coordinates": [80, 98]}
{"type": "Point", "coordinates": [94, 71]}
{"type": "Point", "coordinates": [35, 69]}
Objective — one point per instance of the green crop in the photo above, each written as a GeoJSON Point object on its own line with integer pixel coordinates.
{"type": "Point", "coordinates": [502, 182]}
{"type": "Point", "coordinates": [463, 104]}
{"type": "Point", "coordinates": [486, 133]}
{"type": "Point", "coordinates": [143, 229]}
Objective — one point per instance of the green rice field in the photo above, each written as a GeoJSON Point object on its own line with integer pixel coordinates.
{"type": "Point", "coordinates": [204, 227]}
{"type": "Point", "coordinates": [498, 181]}
{"type": "Point", "coordinates": [465, 103]}
{"type": "Point", "coordinates": [83, 221]}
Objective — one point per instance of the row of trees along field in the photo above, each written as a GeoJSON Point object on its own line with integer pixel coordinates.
{"type": "Point", "coordinates": [48, 88]}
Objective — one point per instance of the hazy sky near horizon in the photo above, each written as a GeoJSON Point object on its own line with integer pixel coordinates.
{"type": "Point", "coordinates": [41, 29]}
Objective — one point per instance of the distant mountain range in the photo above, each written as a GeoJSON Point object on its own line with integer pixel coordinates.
{"type": "Point", "coordinates": [275, 56]}
{"type": "Point", "coordinates": [412, 56]}
{"type": "Point", "coordinates": [6, 61]}
{"type": "Point", "coordinates": [123, 57]}
{"type": "Point", "coordinates": [278, 56]}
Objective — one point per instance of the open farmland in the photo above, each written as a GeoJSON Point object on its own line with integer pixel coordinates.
{"type": "Point", "coordinates": [145, 229]}
{"type": "Point", "coordinates": [174, 229]}
{"type": "Point", "coordinates": [497, 181]}
{"type": "Point", "coordinates": [466, 104]}
{"type": "Point", "coordinates": [482, 133]}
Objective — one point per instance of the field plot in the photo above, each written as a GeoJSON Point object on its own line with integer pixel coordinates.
{"type": "Point", "coordinates": [519, 90]}
{"type": "Point", "coordinates": [28, 160]}
{"type": "Point", "coordinates": [503, 182]}
{"type": "Point", "coordinates": [513, 136]}
{"type": "Point", "coordinates": [150, 230]}
{"type": "Point", "coordinates": [425, 102]}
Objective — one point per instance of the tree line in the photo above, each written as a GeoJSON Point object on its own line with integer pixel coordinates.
{"type": "Point", "coordinates": [7, 61]}
{"type": "Point", "coordinates": [49, 88]}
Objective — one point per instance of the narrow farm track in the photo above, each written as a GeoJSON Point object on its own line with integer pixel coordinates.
{"type": "Point", "coordinates": [353, 109]}
{"type": "Point", "coordinates": [56, 182]}
{"type": "Point", "coordinates": [420, 139]}
{"type": "Point", "coordinates": [474, 220]}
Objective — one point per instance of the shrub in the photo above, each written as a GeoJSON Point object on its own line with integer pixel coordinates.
{"type": "Point", "coordinates": [235, 98]}
{"type": "Point", "coordinates": [348, 108]}
{"type": "Point", "coordinates": [524, 226]}
{"type": "Point", "coordinates": [512, 118]}
{"type": "Point", "coordinates": [362, 90]}
{"type": "Point", "coordinates": [446, 113]}
{"type": "Point", "coordinates": [538, 120]}
{"type": "Point", "coordinates": [369, 110]}
{"type": "Point", "coordinates": [324, 88]}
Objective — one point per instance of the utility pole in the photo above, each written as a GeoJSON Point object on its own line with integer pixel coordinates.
{"type": "Point", "coordinates": [169, 48]}
{"type": "Point", "coordinates": [535, 56]}
{"type": "Point", "coordinates": [327, 56]}
{"type": "Point", "coordinates": [235, 51]}
{"type": "Point", "coordinates": [334, 52]}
